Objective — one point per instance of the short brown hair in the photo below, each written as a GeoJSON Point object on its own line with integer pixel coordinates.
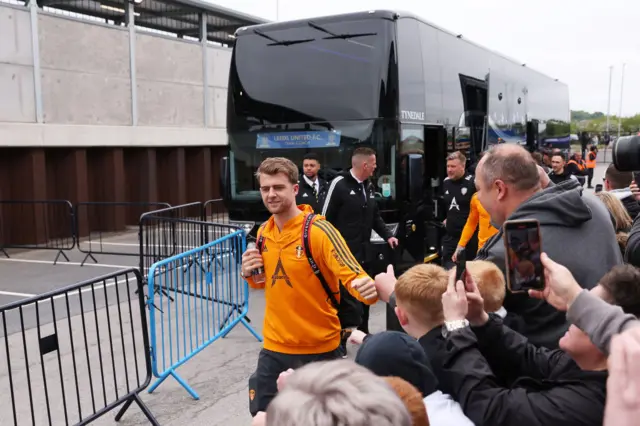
{"type": "Point", "coordinates": [490, 281]}
{"type": "Point", "coordinates": [411, 398]}
{"type": "Point", "coordinates": [273, 165]}
{"type": "Point", "coordinates": [420, 291]}
{"type": "Point", "coordinates": [364, 151]}
{"type": "Point", "coordinates": [511, 164]}
{"type": "Point", "coordinates": [457, 155]}
{"type": "Point", "coordinates": [537, 157]}
{"type": "Point", "coordinates": [616, 178]}
{"type": "Point", "coordinates": [623, 288]}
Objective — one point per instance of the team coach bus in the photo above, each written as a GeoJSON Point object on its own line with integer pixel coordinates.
{"type": "Point", "coordinates": [387, 80]}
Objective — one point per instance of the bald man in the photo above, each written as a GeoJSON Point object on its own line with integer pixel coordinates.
{"type": "Point", "coordinates": [575, 231]}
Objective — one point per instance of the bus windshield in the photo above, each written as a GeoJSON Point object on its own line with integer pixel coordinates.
{"type": "Point", "coordinates": [333, 148]}
{"type": "Point", "coordinates": [310, 72]}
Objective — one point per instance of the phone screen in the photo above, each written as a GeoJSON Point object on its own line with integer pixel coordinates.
{"type": "Point", "coordinates": [523, 248]}
{"type": "Point", "coordinates": [636, 178]}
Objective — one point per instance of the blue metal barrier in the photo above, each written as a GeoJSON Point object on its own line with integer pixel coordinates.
{"type": "Point", "coordinates": [195, 298]}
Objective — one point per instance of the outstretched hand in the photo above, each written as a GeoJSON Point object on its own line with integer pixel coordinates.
{"type": "Point", "coordinates": [385, 283]}
{"type": "Point", "coordinates": [560, 289]}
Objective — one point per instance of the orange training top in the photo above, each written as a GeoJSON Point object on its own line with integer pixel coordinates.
{"type": "Point", "coordinates": [299, 317]}
{"type": "Point", "coordinates": [477, 215]}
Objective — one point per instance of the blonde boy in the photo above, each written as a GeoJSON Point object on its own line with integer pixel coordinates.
{"type": "Point", "coordinates": [419, 294]}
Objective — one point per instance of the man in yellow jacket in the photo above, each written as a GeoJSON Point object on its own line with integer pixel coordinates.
{"type": "Point", "coordinates": [478, 216]}
{"type": "Point", "coordinates": [301, 322]}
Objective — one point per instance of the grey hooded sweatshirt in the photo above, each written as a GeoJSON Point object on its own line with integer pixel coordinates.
{"type": "Point", "coordinates": [576, 231]}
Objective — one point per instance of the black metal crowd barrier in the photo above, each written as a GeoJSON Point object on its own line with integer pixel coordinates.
{"type": "Point", "coordinates": [215, 211]}
{"type": "Point", "coordinates": [74, 354]}
{"type": "Point", "coordinates": [166, 232]}
{"type": "Point", "coordinates": [605, 156]}
{"type": "Point", "coordinates": [200, 249]}
{"type": "Point", "coordinates": [37, 225]}
{"type": "Point", "coordinates": [96, 219]}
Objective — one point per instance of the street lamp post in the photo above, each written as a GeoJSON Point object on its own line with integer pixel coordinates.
{"type": "Point", "coordinates": [620, 109]}
{"type": "Point", "coordinates": [609, 101]}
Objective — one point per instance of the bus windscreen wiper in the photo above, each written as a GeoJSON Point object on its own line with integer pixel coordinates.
{"type": "Point", "coordinates": [334, 36]}
{"type": "Point", "coordinates": [281, 43]}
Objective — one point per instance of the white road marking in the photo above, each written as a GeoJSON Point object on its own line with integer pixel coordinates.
{"type": "Point", "coordinates": [12, 294]}
{"type": "Point", "coordinates": [63, 262]}
{"type": "Point", "coordinates": [110, 283]}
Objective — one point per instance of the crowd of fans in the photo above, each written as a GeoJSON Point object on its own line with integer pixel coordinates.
{"type": "Point", "coordinates": [472, 353]}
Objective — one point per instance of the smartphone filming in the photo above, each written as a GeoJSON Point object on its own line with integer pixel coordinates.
{"type": "Point", "coordinates": [523, 248]}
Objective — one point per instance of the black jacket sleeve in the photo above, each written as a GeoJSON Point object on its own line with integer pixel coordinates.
{"type": "Point", "coordinates": [333, 200]}
{"type": "Point", "coordinates": [511, 356]}
{"type": "Point", "coordinates": [632, 251]}
{"type": "Point", "coordinates": [486, 403]}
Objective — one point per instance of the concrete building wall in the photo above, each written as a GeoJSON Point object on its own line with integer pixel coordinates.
{"type": "Point", "coordinates": [85, 72]}
{"type": "Point", "coordinates": [86, 85]}
{"type": "Point", "coordinates": [17, 97]}
{"type": "Point", "coordinates": [218, 63]}
{"type": "Point", "coordinates": [170, 87]}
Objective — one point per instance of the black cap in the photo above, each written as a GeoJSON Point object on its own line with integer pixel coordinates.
{"type": "Point", "coordinates": [392, 353]}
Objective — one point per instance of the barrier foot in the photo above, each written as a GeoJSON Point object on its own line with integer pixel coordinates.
{"type": "Point", "coordinates": [60, 252]}
{"type": "Point", "coordinates": [163, 291]}
{"type": "Point", "coordinates": [226, 320]}
{"type": "Point", "coordinates": [182, 383]}
{"type": "Point", "coordinates": [251, 330]}
{"type": "Point", "coordinates": [142, 406]}
{"type": "Point", "coordinates": [89, 255]}
{"type": "Point", "coordinates": [5, 253]}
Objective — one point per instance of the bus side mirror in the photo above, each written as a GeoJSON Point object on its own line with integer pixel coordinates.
{"type": "Point", "coordinates": [224, 177]}
{"type": "Point", "coordinates": [415, 181]}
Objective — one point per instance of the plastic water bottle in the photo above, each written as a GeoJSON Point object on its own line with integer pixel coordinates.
{"type": "Point", "coordinates": [258, 273]}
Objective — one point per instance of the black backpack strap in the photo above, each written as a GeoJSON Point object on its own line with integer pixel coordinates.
{"type": "Point", "coordinates": [306, 244]}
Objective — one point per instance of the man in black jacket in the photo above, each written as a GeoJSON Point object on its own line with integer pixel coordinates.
{"type": "Point", "coordinates": [313, 189]}
{"type": "Point", "coordinates": [458, 188]}
{"type": "Point", "coordinates": [500, 378]}
{"type": "Point", "coordinates": [559, 171]}
{"type": "Point", "coordinates": [351, 207]}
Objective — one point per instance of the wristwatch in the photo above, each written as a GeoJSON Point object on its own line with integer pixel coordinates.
{"type": "Point", "coordinates": [450, 326]}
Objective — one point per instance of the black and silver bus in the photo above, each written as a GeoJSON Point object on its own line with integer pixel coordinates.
{"type": "Point", "coordinates": [388, 80]}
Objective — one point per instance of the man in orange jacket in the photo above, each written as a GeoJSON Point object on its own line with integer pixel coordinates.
{"type": "Point", "coordinates": [477, 216]}
{"type": "Point", "coordinates": [592, 155]}
{"type": "Point", "coordinates": [301, 322]}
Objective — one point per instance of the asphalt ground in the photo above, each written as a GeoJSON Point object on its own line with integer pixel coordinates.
{"type": "Point", "coordinates": [114, 335]}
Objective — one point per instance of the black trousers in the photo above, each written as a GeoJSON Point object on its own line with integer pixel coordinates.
{"type": "Point", "coordinates": [270, 365]}
{"type": "Point", "coordinates": [449, 245]}
{"type": "Point", "coordinates": [589, 177]}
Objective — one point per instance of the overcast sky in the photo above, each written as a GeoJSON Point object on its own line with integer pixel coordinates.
{"type": "Point", "coordinates": [573, 40]}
